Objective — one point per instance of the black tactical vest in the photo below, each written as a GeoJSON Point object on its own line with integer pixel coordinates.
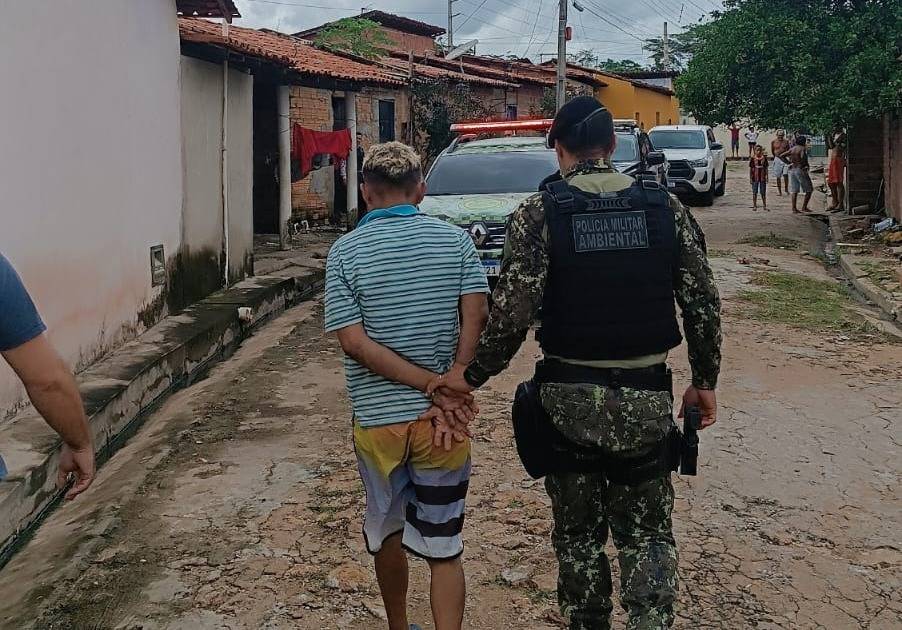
{"type": "Point", "coordinates": [613, 259]}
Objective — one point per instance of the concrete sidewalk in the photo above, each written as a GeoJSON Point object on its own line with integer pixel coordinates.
{"type": "Point", "coordinates": [122, 388]}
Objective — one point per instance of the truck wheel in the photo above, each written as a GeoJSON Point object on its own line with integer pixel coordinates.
{"type": "Point", "coordinates": [706, 198]}
{"type": "Point", "coordinates": [721, 189]}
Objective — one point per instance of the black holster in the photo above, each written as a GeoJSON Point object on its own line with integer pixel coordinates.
{"type": "Point", "coordinates": [544, 450]}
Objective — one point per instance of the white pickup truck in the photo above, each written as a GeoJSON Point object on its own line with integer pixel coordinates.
{"type": "Point", "coordinates": [698, 163]}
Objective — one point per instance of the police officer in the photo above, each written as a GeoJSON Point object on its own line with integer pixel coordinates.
{"type": "Point", "coordinates": [606, 258]}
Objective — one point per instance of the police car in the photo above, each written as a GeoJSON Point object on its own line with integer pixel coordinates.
{"type": "Point", "coordinates": [487, 171]}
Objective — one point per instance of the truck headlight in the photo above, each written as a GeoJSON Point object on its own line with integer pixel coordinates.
{"type": "Point", "coordinates": [698, 163]}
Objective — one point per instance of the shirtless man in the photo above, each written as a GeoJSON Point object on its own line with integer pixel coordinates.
{"type": "Point", "coordinates": [799, 179]}
{"type": "Point", "coordinates": [778, 147]}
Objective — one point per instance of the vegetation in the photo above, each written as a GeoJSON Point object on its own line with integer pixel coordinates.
{"type": "Point", "coordinates": [795, 63]}
{"type": "Point", "coordinates": [817, 306]}
{"type": "Point", "coordinates": [358, 36]}
{"type": "Point", "coordinates": [436, 105]}
{"type": "Point", "coordinates": [590, 59]}
{"type": "Point", "coordinates": [680, 47]}
{"type": "Point", "coordinates": [772, 240]}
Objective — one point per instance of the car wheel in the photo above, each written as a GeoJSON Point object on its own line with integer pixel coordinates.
{"type": "Point", "coordinates": [721, 189]}
{"type": "Point", "coordinates": [706, 198]}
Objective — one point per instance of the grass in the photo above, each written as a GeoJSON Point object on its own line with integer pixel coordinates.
{"type": "Point", "coordinates": [772, 240]}
{"type": "Point", "coordinates": [882, 272]}
{"type": "Point", "coordinates": [817, 306]}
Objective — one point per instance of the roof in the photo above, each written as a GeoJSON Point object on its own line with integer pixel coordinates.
{"type": "Point", "coordinates": [207, 8]}
{"type": "Point", "coordinates": [575, 68]}
{"type": "Point", "coordinates": [523, 70]}
{"type": "Point", "coordinates": [292, 53]}
{"type": "Point", "coordinates": [434, 72]}
{"type": "Point", "coordinates": [650, 74]}
{"type": "Point", "coordinates": [389, 20]}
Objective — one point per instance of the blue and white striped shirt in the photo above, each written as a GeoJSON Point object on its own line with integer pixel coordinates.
{"type": "Point", "coordinates": [402, 278]}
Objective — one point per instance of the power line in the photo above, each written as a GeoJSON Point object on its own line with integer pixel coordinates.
{"type": "Point", "coordinates": [481, 4]}
{"type": "Point", "coordinates": [607, 21]}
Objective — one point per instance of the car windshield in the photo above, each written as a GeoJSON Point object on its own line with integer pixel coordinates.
{"type": "Point", "coordinates": [677, 139]}
{"type": "Point", "coordinates": [627, 149]}
{"type": "Point", "coordinates": [490, 173]}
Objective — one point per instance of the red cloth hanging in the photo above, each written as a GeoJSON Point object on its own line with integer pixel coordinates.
{"type": "Point", "coordinates": [305, 143]}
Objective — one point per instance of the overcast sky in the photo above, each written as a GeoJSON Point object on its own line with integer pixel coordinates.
{"type": "Point", "coordinates": [612, 28]}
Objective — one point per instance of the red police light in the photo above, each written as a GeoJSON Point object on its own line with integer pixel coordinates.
{"type": "Point", "coordinates": [542, 124]}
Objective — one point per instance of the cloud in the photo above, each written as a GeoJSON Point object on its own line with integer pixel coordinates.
{"type": "Point", "coordinates": [527, 27]}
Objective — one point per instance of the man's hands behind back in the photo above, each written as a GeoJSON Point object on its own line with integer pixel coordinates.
{"type": "Point", "coordinates": [451, 413]}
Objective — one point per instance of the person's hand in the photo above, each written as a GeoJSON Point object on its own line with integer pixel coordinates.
{"type": "Point", "coordinates": [463, 406]}
{"type": "Point", "coordinates": [79, 462]}
{"type": "Point", "coordinates": [705, 400]}
{"type": "Point", "coordinates": [446, 430]}
{"type": "Point", "coordinates": [452, 379]}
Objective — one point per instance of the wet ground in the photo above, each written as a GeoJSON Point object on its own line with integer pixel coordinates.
{"type": "Point", "coordinates": [238, 504]}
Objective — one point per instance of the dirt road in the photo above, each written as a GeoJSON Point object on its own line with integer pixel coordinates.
{"type": "Point", "coordinates": [237, 505]}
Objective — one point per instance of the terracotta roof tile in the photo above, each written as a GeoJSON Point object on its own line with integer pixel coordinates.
{"type": "Point", "coordinates": [433, 72]}
{"type": "Point", "coordinates": [293, 53]}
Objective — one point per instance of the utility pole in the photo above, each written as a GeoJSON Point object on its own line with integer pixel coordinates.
{"type": "Point", "coordinates": [562, 55]}
{"type": "Point", "coordinates": [451, 16]}
{"type": "Point", "coordinates": [666, 52]}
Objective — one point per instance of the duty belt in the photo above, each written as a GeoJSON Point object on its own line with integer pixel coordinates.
{"type": "Point", "coordinates": [656, 378]}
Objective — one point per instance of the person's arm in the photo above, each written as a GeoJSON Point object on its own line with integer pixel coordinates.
{"type": "Point", "coordinates": [699, 302]}
{"type": "Point", "coordinates": [382, 360]}
{"type": "Point", "coordinates": [54, 394]}
{"type": "Point", "coordinates": [474, 312]}
{"type": "Point", "coordinates": [517, 297]}
{"type": "Point", "coordinates": [474, 306]}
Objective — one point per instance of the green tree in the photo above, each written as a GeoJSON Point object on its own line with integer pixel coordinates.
{"type": "Point", "coordinates": [358, 36]}
{"type": "Point", "coordinates": [587, 58]}
{"type": "Point", "coordinates": [619, 65]}
{"type": "Point", "coordinates": [680, 49]}
{"type": "Point", "coordinates": [795, 63]}
{"type": "Point", "coordinates": [436, 105]}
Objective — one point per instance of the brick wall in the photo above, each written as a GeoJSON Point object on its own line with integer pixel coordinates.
{"type": "Point", "coordinates": [312, 198]}
{"type": "Point", "coordinates": [865, 161]}
{"type": "Point", "coordinates": [419, 44]}
{"type": "Point", "coordinates": [892, 162]}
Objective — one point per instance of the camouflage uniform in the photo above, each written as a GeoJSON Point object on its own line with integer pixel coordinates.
{"type": "Point", "coordinates": [621, 422]}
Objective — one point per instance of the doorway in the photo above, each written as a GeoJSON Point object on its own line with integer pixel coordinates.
{"type": "Point", "coordinates": [266, 158]}
{"type": "Point", "coordinates": [340, 194]}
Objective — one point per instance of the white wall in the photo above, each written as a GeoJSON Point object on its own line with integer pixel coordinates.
{"type": "Point", "coordinates": [202, 149]}
{"type": "Point", "coordinates": [90, 162]}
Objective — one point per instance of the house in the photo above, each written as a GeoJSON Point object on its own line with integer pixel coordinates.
{"type": "Point", "coordinates": [323, 90]}
{"type": "Point", "coordinates": [874, 174]}
{"type": "Point", "coordinates": [111, 172]}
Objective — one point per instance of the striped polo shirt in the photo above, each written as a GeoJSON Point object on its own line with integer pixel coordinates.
{"type": "Point", "coordinates": [402, 278]}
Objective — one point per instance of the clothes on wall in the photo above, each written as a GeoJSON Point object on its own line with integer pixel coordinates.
{"type": "Point", "coordinates": [306, 144]}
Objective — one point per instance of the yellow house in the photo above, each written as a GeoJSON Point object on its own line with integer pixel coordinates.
{"type": "Point", "coordinates": [647, 104]}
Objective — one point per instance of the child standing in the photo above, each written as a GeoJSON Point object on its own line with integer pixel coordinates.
{"type": "Point", "coordinates": [758, 176]}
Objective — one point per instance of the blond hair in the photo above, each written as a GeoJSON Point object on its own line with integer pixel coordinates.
{"type": "Point", "coordinates": [393, 165]}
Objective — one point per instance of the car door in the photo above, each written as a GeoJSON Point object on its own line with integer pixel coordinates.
{"type": "Point", "coordinates": [719, 155]}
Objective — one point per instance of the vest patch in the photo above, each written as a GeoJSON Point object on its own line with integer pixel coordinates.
{"type": "Point", "coordinates": [610, 231]}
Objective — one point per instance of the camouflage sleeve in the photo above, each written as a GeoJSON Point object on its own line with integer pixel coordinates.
{"type": "Point", "coordinates": [518, 295]}
{"type": "Point", "coordinates": [697, 296]}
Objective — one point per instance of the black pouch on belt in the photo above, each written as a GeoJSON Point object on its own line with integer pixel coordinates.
{"type": "Point", "coordinates": [541, 447]}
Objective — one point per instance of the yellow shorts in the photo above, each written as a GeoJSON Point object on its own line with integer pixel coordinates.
{"type": "Point", "coordinates": [413, 487]}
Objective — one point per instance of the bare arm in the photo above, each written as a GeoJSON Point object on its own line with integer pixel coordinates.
{"type": "Point", "coordinates": [474, 312]}
{"type": "Point", "coordinates": [381, 360]}
{"type": "Point", "coordinates": [52, 389]}
{"type": "Point", "coordinates": [53, 392]}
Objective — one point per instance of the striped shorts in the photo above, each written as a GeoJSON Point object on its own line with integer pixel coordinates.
{"type": "Point", "coordinates": [413, 488]}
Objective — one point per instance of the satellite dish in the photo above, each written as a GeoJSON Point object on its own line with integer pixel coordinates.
{"type": "Point", "coordinates": [461, 50]}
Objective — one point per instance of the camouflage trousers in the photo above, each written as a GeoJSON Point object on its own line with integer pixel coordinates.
{"type": "Point", "coordinates": [625, 423]}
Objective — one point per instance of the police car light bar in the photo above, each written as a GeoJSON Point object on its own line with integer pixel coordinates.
{"type": "Point", "coordinates": [504, 125]}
